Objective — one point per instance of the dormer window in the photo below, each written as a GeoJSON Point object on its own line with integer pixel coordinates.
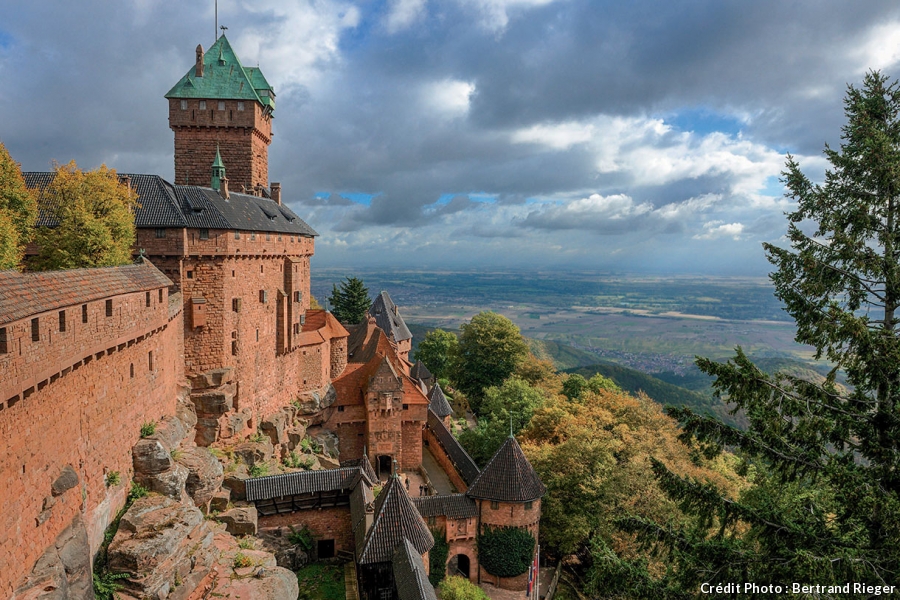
{"type": "Point", "coordinates": [203, 105]}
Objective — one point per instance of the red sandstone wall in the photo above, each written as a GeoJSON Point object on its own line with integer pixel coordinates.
{"type": "Point", "coordinates": [325, 524]}
{"type": "Point", "coordinates": [437, 451]}
{"type": "Point", "coordinates": [89, 419]}
{"type": "Point", "coordinates": [242, 138]}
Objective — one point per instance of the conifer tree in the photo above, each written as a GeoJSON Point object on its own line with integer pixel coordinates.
{"type": "Point", "coordinates": [350, 301]}
{"type": "Point", "coordinates": [94, 215]}
{"type": "Point", "coordinates": [825, 509]}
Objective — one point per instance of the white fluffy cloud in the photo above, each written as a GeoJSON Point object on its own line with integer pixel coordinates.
{"type": "Point", "coordinates": [718, 229]}
{"type": "Point", "coordinates": [403, 13]}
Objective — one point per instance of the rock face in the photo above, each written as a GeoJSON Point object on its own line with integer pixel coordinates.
{"type": "Point", "coordinates": [264, 580]}
{"type": "Point", "coordinates": [160, 542]}
{"type": "Point", "coordinates": [64, 570]}
{"type": "Point", "coordinates": [240, 521]}
{"type": "Point", "coordinates": [205, 474]}
{"type": "Point", "coordinates": [311, 403]}
{"type": "Point", "coordinates": [66, 481]}
{"type": "Point", "coordinates": [169, 483]}
{"type": "Point", "coordinates": [327, 439]}
{"type": "Point", "coordinates": [150, 457]}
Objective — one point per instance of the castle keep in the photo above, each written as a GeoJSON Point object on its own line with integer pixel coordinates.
{"type": "Point", "coordinates": [211, 338]}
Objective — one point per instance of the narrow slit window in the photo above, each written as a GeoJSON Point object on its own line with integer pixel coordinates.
{"type": "Point", "coordinates": [150, 359]}
{"type": "Point", "coordinates": [84, 313]}
{"type": "Point", "coordinates": [147, 299]}
{"type": "Point", "coordinates": [36, 329]}
{"type": "Point", "coordinates": [4, 343]}
{"type": "Point", "coordinates": [62, 321]}
{"type": "Point", "coordinates": [109, 311]}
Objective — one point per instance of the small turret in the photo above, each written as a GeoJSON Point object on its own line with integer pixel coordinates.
{"type": "Point", "coordinates": [218, 171]}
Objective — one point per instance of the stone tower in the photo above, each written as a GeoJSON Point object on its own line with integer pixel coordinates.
{"type": "Point", "coordinates": [220, 103]}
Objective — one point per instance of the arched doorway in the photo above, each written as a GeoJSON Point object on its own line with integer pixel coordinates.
{"type": "Point", "coordinates": [459, 565]}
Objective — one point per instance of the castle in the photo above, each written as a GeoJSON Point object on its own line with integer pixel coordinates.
{"type": "Point", "coordinates": [211, 334]}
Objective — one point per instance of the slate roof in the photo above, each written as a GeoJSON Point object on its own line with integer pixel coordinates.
{"type": "Point", "coordinates": [395, 519]}
{"type": "Point", "coordinates": [364, 465]}
{"type": "Point", "coordinates": [464, 464]}
{"type": "Point", "coordinates": [452, 506]}
{"type": "Point", "coordinates": [420, 371]}
{"type": "Point", "coordinates": [388, 318]}
{"type": "Point", "coordinates": [410, 577]}
{"type": "Point", "coordinates": [508, 477]}
{"type": "Point", "coordinates": [224, 78]}
{"type": "Point", "coordinates": [302, 482]}
{"type": "Point", "coordinates": [437, 402]}
{"type": "Point", "coordinates": [162, 204]}
{"type": "Point", "coordinates": [25, 294]}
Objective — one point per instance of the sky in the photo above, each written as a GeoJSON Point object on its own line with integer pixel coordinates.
{"type": "Point", "coordinates": [643, 136]}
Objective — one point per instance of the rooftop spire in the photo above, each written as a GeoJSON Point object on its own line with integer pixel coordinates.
{"type": "Point", "coordinates": [218, 171]}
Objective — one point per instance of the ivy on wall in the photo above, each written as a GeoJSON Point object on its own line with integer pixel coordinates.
{"type": "Point", "coordinates": [437, 557]}
{"type": "Point", "coordinates": [505, 551]}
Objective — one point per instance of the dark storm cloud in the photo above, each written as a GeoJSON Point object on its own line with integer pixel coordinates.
{"type": "Point", "coordinates": [439, 107]}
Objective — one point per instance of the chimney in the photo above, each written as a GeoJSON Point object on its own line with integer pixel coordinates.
{"type": "Point", "coordinates": [275, 192]}
{"type": "Point", "coordinates": [126, 181]}
{"type": "Point", "coordinates": [198, 71]}
{"type": "Point", "coordinates": [223, 187]}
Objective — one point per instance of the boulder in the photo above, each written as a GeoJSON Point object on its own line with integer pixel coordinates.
{"type": "Point", "coordinates": [216, 401]}
{"type": "Point", "coordinates": [295, 435]}
{"type": "Point", "coordinates": [170, 431]}
{"type": "Point", "coordinates": [169, 483]}
{"type": "Point", "coordinates": [161, 543]}
{"type": "Point", "coordinates": [240, 521]}
{"type": "Point", "coordinates": [186, 413]}
{"type": "Point", "coordinates": [205, 474]}
{"type": "Point", "coordinates": [310, 403]}
{"type": "Point", "coordinates": [274, 427]}
{"type": "Point", "coordinates": [236, 484]}
{"type": "Point", "coordinates": [206, 431]}
{"type": "Point", "coordinates": [150, 457]}
{"type": "Point", "coordinates": [219, 501]}
{"type": "Point", "coordinates": [66, 481]}
{"type": "Point", "coordinates": [210, 379]}
{"type": "Point", "coordinates": [251, 453]}
{"type": "Point", "coordinates": [327, 439]}
{"type": "Point", "coordinates": [64, 570]}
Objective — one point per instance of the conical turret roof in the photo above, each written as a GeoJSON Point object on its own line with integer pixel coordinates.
{"type": "Point", "coordinates": [508, 477]}
{"type": "Point", "coordinates": [396, 519]}
{"type": "Point", "coordinates": [437, 402]}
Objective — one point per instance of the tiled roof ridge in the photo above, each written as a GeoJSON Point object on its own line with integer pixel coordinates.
{"type": "Point", "coordinates": [508, 476]}
{"type": "Point", "coordinates": [379, 546]}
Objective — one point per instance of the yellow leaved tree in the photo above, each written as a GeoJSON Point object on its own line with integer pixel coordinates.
{"type": "Point", "coordinates": [18, 211]}
{"type": "Point", "coordinates": [94, 220]}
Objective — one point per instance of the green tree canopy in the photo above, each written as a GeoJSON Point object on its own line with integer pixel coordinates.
{"type": "Point", "coordinates": [459, 588]}
{"type": "Point", "coordinates": [436, 351]}
{"type": "Point", "coordinates": [18, 212]}
{"type": "Point", "coordinates": [350, 301]}
{"type": "Point", "coordinates": [490, 348]}
{"type": "Point", "coordinates": [576, 384]}
{"type": "Point", "coordinates": [826, 507]}
{"type": "Point", "coordinates": [95, 220]}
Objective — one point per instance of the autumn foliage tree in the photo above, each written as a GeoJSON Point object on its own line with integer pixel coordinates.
{"type": "Point", "coordinates": [93, 214]}
{"type": "Point", "coordinates": [18, 212]}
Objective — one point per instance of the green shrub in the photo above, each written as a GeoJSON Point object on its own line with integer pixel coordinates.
{"type": "Point", "coordinates": [136, 491]}
{"type": "Point", "coordinates": [259, 470]}
{"type": "Point", "coordinates": [258, 437]}
{"type": "Point", "coordinates": [505, 551]}
{"type": "Point", "coordinates": [459, 588]}
{"type": "Point", "coordinates": [113, 478]}
{"type": "Point", "coordinates": [241, 560]}
{"type": "Point", "coordinates": [148, 429]}
{"type": "Point", "coordinates": [301, 537]}
{"type": "Point", "coordinates": [246, 543]}
{"type": "Point", "coordinates": [107, 584]}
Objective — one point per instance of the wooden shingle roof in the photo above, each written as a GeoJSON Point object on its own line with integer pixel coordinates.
{"type": "Point", "coordinates": [24, 294]}
{"type": "Point", "coordinates": [410, 577]}
{"type": "Point", "coordinates": [437, 402]}
{"type": "Point", "coordinates": [396, 519]}
{"type": "Point", "coordinates": [508, 477]}
{"type": "Point", "coordinates": [452, 506]}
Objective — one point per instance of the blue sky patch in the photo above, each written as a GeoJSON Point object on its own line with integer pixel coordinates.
{"type": "Point", "coordinates": [703, 121]}
{"type": "Point", "coordinates": [358, 197]}
{"type": "Point", "coordinates": [773, 187]}
{"type": "Point", "coordinates": [6, 40]}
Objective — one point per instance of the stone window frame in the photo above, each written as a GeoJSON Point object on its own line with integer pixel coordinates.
{"type": "Point", "coordinates": [495, 505]}
{"type": "Point", "coordinates": [147, 300]}
{"type": "Point", "coordinates": [203, 105]}
{"type": "Point", "coordinates": [62, 321]}
{"type": "Point", "coordinates": [4, 341]}
{"type": "Point", "coordinates": [109, 308]}
{"type": "Point", "coordinates": [184, 105]}
{"type": "Point", "coordinates": [36, 329]}
{"type": "Point", "coordinates": [221, 105]}
{"type": "Point", "coordinates": [204, 234]}
{"type": "Point", "coordinates": [84, 313]}
{"type": "Point", "coordinates": [240, 106]}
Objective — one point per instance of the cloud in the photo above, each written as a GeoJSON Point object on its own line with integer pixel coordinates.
{"type": "Point", "coordinates": [717, 229]}
{"type": "Point", "coordinates": [403, 13]}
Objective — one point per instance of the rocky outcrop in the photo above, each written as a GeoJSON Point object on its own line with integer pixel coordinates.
{"type": "Point", "coordinates": [205, 474]}
{"type": "Point", "coordinates": [63, 571]}
{"type": "Point", "coordinates": [261, 578]}
{"type": "Point", "coordinates": [310, 403]}
{"type": "Point", "coordinates": [160, 543]}
{"type": "Point", "coordinates": [327, 440]}
{"type": "Point", "coordinates": [240, 521]}
{"type": "Point", "coordinates": [253, 453]}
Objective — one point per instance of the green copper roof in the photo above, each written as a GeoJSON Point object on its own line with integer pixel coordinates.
{"type": "Point", "coordinates": [224, 78]}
